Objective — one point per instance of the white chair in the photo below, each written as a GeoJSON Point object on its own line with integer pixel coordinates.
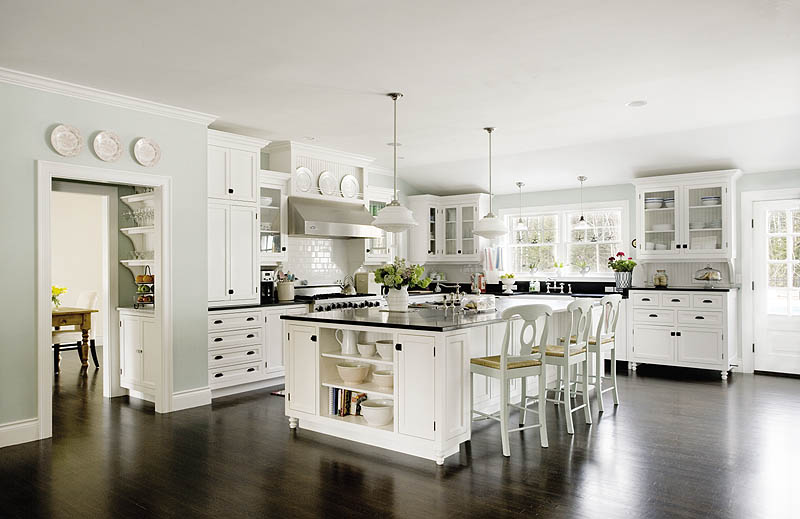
{"type": "Point", "coordinates": [506, 367]}
{"type": "Point", "coordinates": [568, 355]}
{"type": "Point", "coordinates": [71, 339]}
{"type": "Point", "coordinates": [605, 341]}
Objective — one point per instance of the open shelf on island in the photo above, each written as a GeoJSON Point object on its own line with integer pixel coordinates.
{"type": "Point", "coordinates": [146, 229]}
{"type": "Point", "coordinates": [375, 359]}
{"type": "Point", "coordinates": [366, 387]}
{"type": "Point", "coordinates": [359, 420]}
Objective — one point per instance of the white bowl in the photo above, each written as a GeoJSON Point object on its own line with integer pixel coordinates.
{"type": "Point", "coordinates": [663, 227]}
{"type": "Point", "coordinates": [352, 373]}
{"type": "Point", "coordinates": [711, 201]}
{"type": "Point", "coordinates": [670, 204]}
{"type": "Point", "coordinates": [377, 412]}
{"type": "Point", "coordinates": [385, 348]}
{"type": "Point", "coordinates": [383, 378]}
{"type": "Point", "coordinates": [266, 200]}
{"type": "Point", "coordinates": [649, 245]}
{"type": "Point", "coordinates": [653, 205]}
{"type": "Point", "coordinates": [366, 349]}
{"type": "Point", "coordinates": [661, 246]}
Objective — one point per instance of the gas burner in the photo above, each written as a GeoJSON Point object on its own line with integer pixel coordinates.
{"type": "Point", "coordinates": [320, 297]}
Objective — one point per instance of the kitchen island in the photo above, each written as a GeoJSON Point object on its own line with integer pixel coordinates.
{"type": "Point", "coordinates": [430, 363]}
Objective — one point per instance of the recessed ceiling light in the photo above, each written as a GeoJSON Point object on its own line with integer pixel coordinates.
{"type": "Point", "coordinates": [637, 103]}
{"type": "Point", "coordinates": [392, 144]}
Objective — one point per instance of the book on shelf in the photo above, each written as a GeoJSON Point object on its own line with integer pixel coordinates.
{"type": "Point", "coordinates": [343, 402]}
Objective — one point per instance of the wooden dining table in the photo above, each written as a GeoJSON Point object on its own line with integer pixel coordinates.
{"type": "Point", "coordinates": [81, 318]}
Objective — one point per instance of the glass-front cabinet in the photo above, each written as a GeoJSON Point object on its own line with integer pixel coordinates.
{"type": "Point", "coordinates": [432, 230]}
{"type": "Point", "coordinates": [467, 216]}
{"type": "Point", "coordinates": [378, 250]}
{"type": "Point", "coordinates": [688, 216]}
{"type": "Point", "coordinates": [445, 230]}
{"type": "Point", "coordinates": [272, 213]}
{"type": "Point", "coordinates": [452, 236]}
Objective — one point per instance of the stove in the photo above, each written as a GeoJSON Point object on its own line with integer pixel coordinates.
{"type": "Point", "coordinates": [322, 298]}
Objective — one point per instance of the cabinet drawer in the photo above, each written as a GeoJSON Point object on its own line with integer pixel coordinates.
{"type": "Point", "coordinates": [654, 316]}
{"type": "Point", "coordinates": [217, 321]}
{"type": "Point", "coordinates": [646, 299]}
{"type": "Point", "coordinates": [218, 340]}
{"type": "Point", "coordinates": [227, 356]}
{"type": "Point", "coordinates": [713, 301]}
{"type": "Point", "coordinates": [675, 300]}
{"type": "Point", "coordinates": [232, 375]}
{"type": "Point", "coordinates": [700, 318]}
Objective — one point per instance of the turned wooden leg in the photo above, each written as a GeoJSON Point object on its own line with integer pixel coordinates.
{"type": "Point", "coordinates": [85, 348]}
{"type": "Point", "coordinates": [56, 358]}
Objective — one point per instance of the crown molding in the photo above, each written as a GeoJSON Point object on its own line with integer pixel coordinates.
{"type": "Point", "coordinates": [233, 140]}
{"type": "Point", "coordinates": [319, 152]}
{"type": "Point", "coordinates": [55, 86]}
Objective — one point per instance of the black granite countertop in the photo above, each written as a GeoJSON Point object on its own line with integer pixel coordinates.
{"type": "Point", "coordinates": [424, 319]}
{"type": "Point", "coordinates": [552, 294]}
{"type": "Point", "coordinates": [259, 305]}
{"type": "Point", "coordinates": [696, 288]}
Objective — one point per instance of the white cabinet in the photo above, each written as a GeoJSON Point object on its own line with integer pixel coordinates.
{"type": "Point", "coordinates": [415, 378]}
{"type": "Point", "coordinates": [233, 165]}
{"type": "Point", "coordinates": [445, 230]}
{"type": "Point", "coordinates": [379, 251]}
{"type": "Point", "coordinates": [302, 390]}
{"type": "Point", "coordinates": [140, 351]}
{"type": "Point", "coordinates": [654, 344]}
{"type": "Point", "coordinates": [232, 256]}
{"type": "Point", "coordinates": [273, 337]}
{"type": "Point", "coordinates": [686, 217]}
{"type": "Point", "coordinates": [699, 346]}
{"type": "Point", "coordinates": [273, 226]}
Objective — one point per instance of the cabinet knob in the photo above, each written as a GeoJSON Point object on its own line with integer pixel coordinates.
{"type": "Point", "coordinates": [678, 334]}
{"type": "Point", "coordinates": [230, 191]}
{"type": "Point", "coordinates": [672, 334]}
{"type": "Point", "coordinates": [398, 347]}
{"type": "Point", "coordinates": [645, 299]}
{"type": "Point", "coordinates": [459, 251]}
{"type": "Point", "coordinates": [230, 291]}
{"type": "Point", "coordinates": [369, 250]}
{"type": "Point", "coordinates": [251, 318]}
{"type": "Point", "coordinates": [283, 249]}
{"type": "Point", "coordinates": [685, 246]}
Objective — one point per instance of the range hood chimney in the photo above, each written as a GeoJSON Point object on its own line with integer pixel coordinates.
{"type": "Point", "coordinates": [323, 218]}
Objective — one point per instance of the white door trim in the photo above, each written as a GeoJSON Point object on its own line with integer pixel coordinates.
{"type": "Point", "coordinates": [46, 171]}
{"type": "Point", "coordinates": [747, 332]}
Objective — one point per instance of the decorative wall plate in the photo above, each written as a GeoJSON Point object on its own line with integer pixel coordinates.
{"type": "Point", "coordinates": [303, 179]}
{"type": "Point", "coordinates": [349, 186]}
{"type": "Point", "coordinates": [66, 140]}
{"type": "Point", "coordinates": [327, 183]}
{"type": "Point", "coordinates": [107, 146]}
{"type": "Point", "coordinates": [147, 152]}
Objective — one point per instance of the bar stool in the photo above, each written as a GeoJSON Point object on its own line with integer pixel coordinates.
{"type": "Point", "coordinates": [568, 355]}
{"type": "Point", "coordinates": [605, 341]}
{"type": "Point", "coordinates": [506, 367]}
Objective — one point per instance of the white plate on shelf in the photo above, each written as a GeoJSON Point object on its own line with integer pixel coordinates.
{"type": "Point", "coordinates": [107, 146]}
{"type": "Point", "coordinates": [66, 140]}
{"type": "Point", "coordinates": [327, 183]}
{"type": "Point", "coordinates": [147, 152]}
{"type": "Point", "coordinates": [302, 179]}
{"type": "Point", "coordinates": [349, 186]}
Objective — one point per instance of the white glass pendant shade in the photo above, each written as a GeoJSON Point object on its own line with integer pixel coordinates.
{"type": "Point", "coordinates": [520, 225]}
{"type": "Point", "coordinates": [490, 227]}
{"type": "Point", "coordinates": [582, 224]}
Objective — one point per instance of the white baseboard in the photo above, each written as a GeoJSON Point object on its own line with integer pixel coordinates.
{"type": "Point", "coordinates": [20, 431]}
{"type": "Point", "coordinates": [147, 397]}
{"type": "Point", "coordinates": [191, 398]}
{"type": "Point", "coordinates": [243, 388]}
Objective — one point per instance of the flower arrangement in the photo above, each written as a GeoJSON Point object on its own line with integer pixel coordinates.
{"type": "Point", "coordinates": [55, 294]}
{"type": "Point", "coordinates": [618, 263]}
{"type": "Point", "coordinates": [398, 274]}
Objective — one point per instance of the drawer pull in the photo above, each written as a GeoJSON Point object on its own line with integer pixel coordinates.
{"type": "Point", "coordinates": [251, 352]}
{"type": "Point", "coordinates": [250, 335]}
{"type": "Point", "coordinates": [250, 370]}
{"type": "Point", "coordinates": [645, 299]}
{"type": "Point", "coordinates": [217, 375]}
{"type": "Point", "coordinates": [251, 318]}
{"type": "Point", "coordinates": [218, 321]}
{"type": "Point", "coordinates": [699, 317]}
{"type": "Point", "coordinates": [218, 357]}
{"type": "Point", "coordinates": [675, 300]}
{"type": "Point", "coordinates": [653, 315]}
{"type": "Point", "coordinates": [708, 301]}
{"type": "Point", "coordinates": [218, 339]}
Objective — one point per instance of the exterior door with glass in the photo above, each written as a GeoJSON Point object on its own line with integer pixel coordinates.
{"type": "Point", "coordinates": [776, 276]}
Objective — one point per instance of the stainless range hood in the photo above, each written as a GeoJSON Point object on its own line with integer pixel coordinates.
{"type": "Point", "coordinates": [323, 218]}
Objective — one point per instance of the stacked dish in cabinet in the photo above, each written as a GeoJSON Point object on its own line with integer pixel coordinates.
{"type": "Point", "coordinates": [141, 226]}
{"type": "Point", "coordinates": [235, 345]}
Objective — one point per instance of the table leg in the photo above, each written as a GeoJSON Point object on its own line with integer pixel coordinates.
{"type": "Point", "coordinates": [85, 347]}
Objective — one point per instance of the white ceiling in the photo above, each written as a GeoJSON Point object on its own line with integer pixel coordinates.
{"type": "Point", "coordinates": [722, 78]}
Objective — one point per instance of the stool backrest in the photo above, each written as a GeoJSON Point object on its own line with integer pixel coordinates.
{"type": "Point", "coordinates": [580, 314]}
{"type": "Point", "coordinates": [607, 325]}
{"type": "Point", "coordinates": [534, 317]}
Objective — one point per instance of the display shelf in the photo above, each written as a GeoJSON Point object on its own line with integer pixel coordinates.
{"type": "Point", "coordinates": [660, 232]}
{"type": "Point", "coordinates": [146, 229]}
{"type": "Point", "coordinates": [709, 229]}
{"type": "Point", "coordinates": [137, 262]}
{"type": "Point", "coordinates": [365, 387]}
{"type": "Point", "coordinates": [375, 359]}
{"type": "Point", "coordinates": [138, 198]}
{"type": "Point", "coordinates": [361, 421]}
{"type": "Point", "coordinates": [659, 209]}
{"type": "Point", "coordinates": [704, 206]}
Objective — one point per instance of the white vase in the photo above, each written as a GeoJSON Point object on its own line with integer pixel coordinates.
{"type": "Point", "coordinates": [623, 279]}
{"type": "Point", "coordinates": [397, 299]}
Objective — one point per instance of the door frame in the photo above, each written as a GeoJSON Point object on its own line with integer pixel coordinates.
{"type": "Point", "coordinates": [747, 332]}
{"type": "Point", "coordinates": [46, 171]}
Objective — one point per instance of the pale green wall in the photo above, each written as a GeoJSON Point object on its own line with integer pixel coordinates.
{"type": "Point", "coordinates": [26, 117]}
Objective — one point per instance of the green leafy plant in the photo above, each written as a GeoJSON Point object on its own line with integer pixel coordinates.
{"type": "Point", "coordinates": [581, 263]}
{"type": "Point", "coordinates": [558, 264]}
{"type": "Point", "coordinates": [618, 263]}
{"type": "Point", "coordinates": [399, 273]}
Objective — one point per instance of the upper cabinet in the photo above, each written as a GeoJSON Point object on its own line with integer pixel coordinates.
{"type": "Point", "coordinates": [378, 251]}
{"type": "Point", "coordinates": [444, 233]}
{"type": "Point", "coordinates": [233, 166]}
{"type": "Point", "coordinates": [687, 217]}
{"type": "Point", "coordinates": [273, 227]}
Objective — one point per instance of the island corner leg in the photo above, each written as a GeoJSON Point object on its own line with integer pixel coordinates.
{"type": "Point", "coordinates": [724, 375]}
{"type": "Point", "coordinates": [439, 460]}
{"type": "Point", "coordinates": [293, 422]}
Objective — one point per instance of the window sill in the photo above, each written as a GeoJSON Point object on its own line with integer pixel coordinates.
{"type": "Point", "coordinates": [596, 278]}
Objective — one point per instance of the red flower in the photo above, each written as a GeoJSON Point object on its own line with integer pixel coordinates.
{"type": "Point", "coordinates": [611, 258]}
{"type": "Point", "coordinates": [620, 254]}
{"type": "Point", "coordinates": [630, 258]}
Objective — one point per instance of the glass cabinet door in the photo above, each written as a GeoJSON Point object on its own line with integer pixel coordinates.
{"type": "Point", "coordinates": [661, 222]}
{"type": "Point", "coordinates": [432, 221]}
{"type": "Point", "coordinates": [377, 246]}
{"type": "Point", "coordinates": [467, 226]}
{"type": "Point", "coordinates": [271, 241]}
{"type": "Point", "coordinates": [704, 220]}
{"type": "Point", "coordinates": [451, 230]}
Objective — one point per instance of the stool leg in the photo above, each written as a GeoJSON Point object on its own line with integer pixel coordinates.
{"type": "Point", "coordinates": [504, 391]}
{"type": "Point", "coordinates": [471, 396]}
{"type": "Point", "coordinates": [599, 369]}
{"type": "Point", "coordinates": [558, 385]}
{"type": "Point", "coordinates": [614, 374]}
{"type": "Point", "coordinates": [523, 402]}
{"type": "Point", "coordinates": [587, 410]}
{"type": "Point", "coordinates": [543, 408]}
{"type": "Point", "coordinates": [567, 399]}
{"type": "Point", "coordinates": [56, 358]}
{"type": "Point", "coordinates": [93, 349]}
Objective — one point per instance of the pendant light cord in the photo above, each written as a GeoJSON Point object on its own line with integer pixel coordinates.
{"type": "Point", "coordinates": [395, 146]}
{"type": "Point", "coordinates": [490, 130]}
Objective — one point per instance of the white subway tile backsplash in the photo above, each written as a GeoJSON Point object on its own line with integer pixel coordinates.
{"type": "Point", "coordinates": [318, 260]}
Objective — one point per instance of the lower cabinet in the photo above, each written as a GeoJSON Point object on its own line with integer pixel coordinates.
{"type": "Point", "coordinates": [273, 337]}
{"type": "Point", "coordinates": [698, 346]}
{"type": "Point", "coordinates": [653, 344]}
{"type": "Point", "coordinates": [302, 363]}
{"type": "Point", "coordinates": [415, 379]}
{"type": "Point", "coordinates": [140, 351]}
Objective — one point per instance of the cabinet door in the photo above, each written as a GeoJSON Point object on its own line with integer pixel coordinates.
{"type": "Point", "coordinates": [151, 352]}
{"type": "Point", "coordinates": [217, 172]}
{"type": "Point", "coordinates": [653, 343]}
{"type": "Point", "coordinates": [218, 252]}
{"type": "Point", "coordinates": [452, 235]}
{"type": "Point", "coordinates": [479, 340]}
{"type": "Point", "coordinates": [377, 250]}
{"type": "Point", "coordinates": [415, 376]}
{"type": "Point", "coordinates": [303, 363]}
{"type": "Point", "coordinates": [659, 222]}
{"type": "Point", "coordinates": [466, 224]}
{"type": "Point", "coordinates": [243, 176]}
{"type": "Point", "coordinates": [705, 223]}
{"type": "Point", "coordinates": [130, 358]}
{"type": "Point", "coordinates": [700, 346]}
{"type": "Point", "coordinates": [273, 341]}
{"type": "Point", "coordinates": [433, 232]}
{"type": "Point", "coordinates": [273, 226]}
{"type": "Point", "coordinates": [243, 267]}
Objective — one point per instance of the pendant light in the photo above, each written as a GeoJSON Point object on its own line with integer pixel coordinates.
{"type": "Point", "coordinates": [394, 217]}
{"type": "Point", "coordinates": [520, 225]}
{"type": "Point", "coordinates": [490, 226]}
{"type": "Point", "coordinates": [582, 224]}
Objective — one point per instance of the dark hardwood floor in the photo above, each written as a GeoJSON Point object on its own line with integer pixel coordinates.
{"type": "Point", "coordinates": [682, 444]}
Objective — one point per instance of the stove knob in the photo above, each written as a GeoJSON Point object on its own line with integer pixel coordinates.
{"type": "Point", "coordinates": [339, 305]}
{"type": "Point", "coordinates": [351, 305]}
{"type": "Point", "coordinates": [362, 304]}
{"type": "Point", "coordinates": [318, 308]}
{"type": "Point", "coordinates": [328, 307]}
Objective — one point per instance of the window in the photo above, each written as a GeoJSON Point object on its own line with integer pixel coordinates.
{"type": "Point", "coordinates": [783, 262]}
{"type": "Point", "coordinates": [546, 235]}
